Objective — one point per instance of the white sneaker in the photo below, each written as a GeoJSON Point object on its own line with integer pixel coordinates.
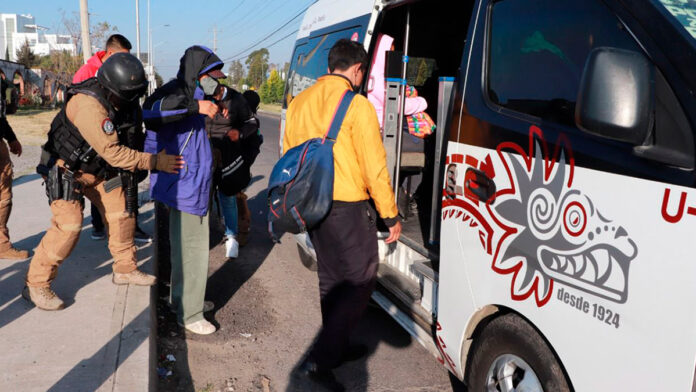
{"type": "Point", "coordinates": [201, 327]}
{"type": "Point", "coordinates": [232, 247]}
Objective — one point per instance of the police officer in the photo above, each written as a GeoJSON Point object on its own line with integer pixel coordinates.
{"type": "Point", "coordinates": [82, 157]}
{"type": "Point", "coordinates": [7, 251]}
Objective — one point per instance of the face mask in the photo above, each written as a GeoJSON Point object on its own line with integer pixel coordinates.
{"type": "Point", "coordinates": [208, 85]}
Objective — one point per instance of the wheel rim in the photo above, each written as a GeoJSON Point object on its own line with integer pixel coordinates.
{"type": "Point", "coordinates": [510, 373]}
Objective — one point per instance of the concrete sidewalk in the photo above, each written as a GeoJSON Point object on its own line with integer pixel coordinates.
{"type": "Point", "coordinates": [105, 338]}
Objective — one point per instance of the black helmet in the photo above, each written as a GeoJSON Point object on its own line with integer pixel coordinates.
{"type": "Point", "coordinates": [123, 74]}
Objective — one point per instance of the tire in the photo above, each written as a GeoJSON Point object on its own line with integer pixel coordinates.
{"type": "Point", "coordinates": [510, 345]}
{"type": "Point", "coordinates": [306, 258]}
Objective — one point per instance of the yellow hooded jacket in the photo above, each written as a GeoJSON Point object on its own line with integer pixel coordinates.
{"type": "Point", "coordinates": [360, 162]}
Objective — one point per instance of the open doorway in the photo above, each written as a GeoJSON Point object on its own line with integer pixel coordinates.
{"type": "Point", "coordinates": [435, 45]}
{"type": "Point", "coordinates": [18, 81]}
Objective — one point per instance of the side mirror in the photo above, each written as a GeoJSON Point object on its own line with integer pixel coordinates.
{"type": "Point", "coordinates": [616, 97]}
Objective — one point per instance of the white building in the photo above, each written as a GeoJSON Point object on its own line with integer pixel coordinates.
{"type": "Point", "coordinates": [16, 29]}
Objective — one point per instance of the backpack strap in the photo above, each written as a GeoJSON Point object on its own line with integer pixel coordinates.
{"type": "Point", "coordinates": [339, 115]}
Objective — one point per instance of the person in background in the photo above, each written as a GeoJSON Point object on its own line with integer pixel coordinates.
{"type": "Point", "coordinates": [376, 94]}
{"type": "Point", "coordinates": [346, 240]}
{"type": "Point", "coordinates": [7, 251]}
{"type": "Point", "coordinates": [175, 118]}
{"type": "Point", "coordinates": [376, 84]}
{"type": "Point", "coordinates": [228, 137]}
{"type": "Point", "coordinates": [253, 100]}
{"type": "Point", "coordinates": [114, 44]}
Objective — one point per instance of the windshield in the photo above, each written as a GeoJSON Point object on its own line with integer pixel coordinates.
{"type": "Point", "coordinates": [685, 13]}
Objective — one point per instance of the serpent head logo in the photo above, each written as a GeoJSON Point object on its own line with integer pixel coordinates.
{"type": "Point", "coordinates": [554, 232]}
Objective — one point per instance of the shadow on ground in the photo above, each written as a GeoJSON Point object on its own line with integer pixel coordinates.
{"type": "Point", "coordinates": [78, 271]}
{"type": "Point", "coordinates": [226, 277]}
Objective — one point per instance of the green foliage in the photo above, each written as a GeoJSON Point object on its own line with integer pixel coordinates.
{"type": "Point", "coordinates": [236, 74]}
{"type": "Point", "coordinates": [26, 56]}
{"type": "Point", "coordinates": [272, 90]}
{"type": "Point", "coordinates": [257, 64]}
{"type": "Point", "coordinates": [60, 62]}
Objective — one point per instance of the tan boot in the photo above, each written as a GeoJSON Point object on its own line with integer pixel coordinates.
{"type": "Point", "coordinates": [14, 254]}
{"type": "Point", "coordinates": [43, 297]}
{"type": "Point", "coordinates": [135, 277]}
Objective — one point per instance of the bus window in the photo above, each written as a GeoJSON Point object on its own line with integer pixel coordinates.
{"type": "Point", "coordinates": [311, 59]}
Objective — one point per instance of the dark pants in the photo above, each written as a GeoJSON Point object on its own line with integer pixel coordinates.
{"type": "Point", "coordinates": [346, 246]}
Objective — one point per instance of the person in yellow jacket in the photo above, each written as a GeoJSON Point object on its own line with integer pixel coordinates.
{"type": "Point", "coordinates": [346, 240]}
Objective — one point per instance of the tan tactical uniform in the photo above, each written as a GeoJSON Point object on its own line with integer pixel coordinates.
{"type": "Point", "coordinates": [88, 115]}
{"type": "Point", "coordinates": [5, 196]}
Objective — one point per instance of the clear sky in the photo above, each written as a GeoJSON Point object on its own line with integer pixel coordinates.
{"type": "Point", "coordinates": [240, 24]}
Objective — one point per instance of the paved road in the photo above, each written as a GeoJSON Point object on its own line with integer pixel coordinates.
{"type": "Point", "coordinates": [267, 306]}
{"type": "Point", "coordinates": [101, 341]}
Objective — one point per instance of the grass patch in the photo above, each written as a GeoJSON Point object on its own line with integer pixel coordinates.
{"type": "Point", "coordinates": [31, 125]}
{"type": "Point", "coordinates": [271, 107]}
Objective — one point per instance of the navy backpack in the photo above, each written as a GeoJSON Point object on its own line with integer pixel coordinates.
{"type": "Point", "coordinates": [300, 189]}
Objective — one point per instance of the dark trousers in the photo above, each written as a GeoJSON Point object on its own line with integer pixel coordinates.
{"type": "Point", "coordinates": [97, 221]}
{"type": "Point", "coordinates": [346, 246]}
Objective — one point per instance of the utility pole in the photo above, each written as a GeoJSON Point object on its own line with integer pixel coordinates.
{"type": "Point", "coordinates": [149, 35]}
{"type": "Point", "coordinates": [214, 38]}
{"type": "Point", "coordinates": [137, 29]}
{"type": "Point", "coordinates": [84, 22]}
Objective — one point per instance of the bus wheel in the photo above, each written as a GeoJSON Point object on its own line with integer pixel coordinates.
{"type": "Point", "coordinates": [511, 356]}
{"type": "Point", "coordinates": [306, 259]}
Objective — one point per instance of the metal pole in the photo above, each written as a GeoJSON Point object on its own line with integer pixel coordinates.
{"type": "Point", "coordinates": [137, 29]}
{"type": "Point", "coordinates": [402, 104]}
{"type": "Point", "coordinates": [84, 24]}
{"type": "Point", "coordinates": [215, 39]}
{"type": "Point", "coordinates": [149, 35]}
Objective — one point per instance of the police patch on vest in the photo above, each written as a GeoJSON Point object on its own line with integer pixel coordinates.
{"type": "Point", "coordinates": [107, 126]}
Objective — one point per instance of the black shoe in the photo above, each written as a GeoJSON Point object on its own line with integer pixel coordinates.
{"type": "Point", "coordinates": [141, 236]}
{"type": "Point", "coordinates": [98, 234]}
{"type": "Point", "coordinates": [324, 378]}
{"type": "Point", "coordinates": [354, 352]}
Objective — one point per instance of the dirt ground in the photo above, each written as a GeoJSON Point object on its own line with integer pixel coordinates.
{"type": "Point", "coordinates": [268, 314]}
{"type": "Point", "coordinates": [31, 126]}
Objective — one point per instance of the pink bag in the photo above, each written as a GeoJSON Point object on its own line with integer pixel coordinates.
{"type": "Point", "coordinates": [419, 124]}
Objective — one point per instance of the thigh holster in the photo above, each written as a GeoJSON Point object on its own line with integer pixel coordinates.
{"type": "Point", "coordinates": [62, 185]}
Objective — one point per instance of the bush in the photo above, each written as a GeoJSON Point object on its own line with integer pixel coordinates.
{"type": "Point", "coordinates": [271, 90]}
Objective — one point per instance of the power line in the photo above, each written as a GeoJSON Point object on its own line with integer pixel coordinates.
{"type": "Point", "coordinates": [244, 24]}
{"type": "Point", "coordinates": [230, 13]}
{"type": "Point", "coordinates": [268, 46]}
{"type": "Point", "coordinates": [273, 32]}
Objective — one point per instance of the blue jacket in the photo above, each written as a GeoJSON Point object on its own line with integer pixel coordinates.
{"type": "Point", "coordinates": [174, 124]}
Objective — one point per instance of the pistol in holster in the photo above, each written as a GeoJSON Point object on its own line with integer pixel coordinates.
{"type": "Point", "coordinates": [62, 185]}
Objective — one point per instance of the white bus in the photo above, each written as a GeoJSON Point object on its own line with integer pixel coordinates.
{"type": "Point", "coordinates": [550, 247]}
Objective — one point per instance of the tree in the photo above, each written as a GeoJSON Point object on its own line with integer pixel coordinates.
{"type": "Point", "coordinates": [272, 90]}
{"type": "Point", "coordinates": [60, 62]}
{"type": "Point", "coordinates": [97, 32]}
{"type": "Point", "coordinates": [26, 56]}
{"type": "Point", "coordinates": [257, 64]}
{"type": "Point", "coordinates": [236, 73]}
{"type": "Point", "coordinates": [286, 68]}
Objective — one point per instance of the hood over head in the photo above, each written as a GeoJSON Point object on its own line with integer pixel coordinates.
{"type": "Point", "coordinates": [197, 60]}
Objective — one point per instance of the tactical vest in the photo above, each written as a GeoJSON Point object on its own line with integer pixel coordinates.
{"type": "Point", "coordinates": [66, 142]}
